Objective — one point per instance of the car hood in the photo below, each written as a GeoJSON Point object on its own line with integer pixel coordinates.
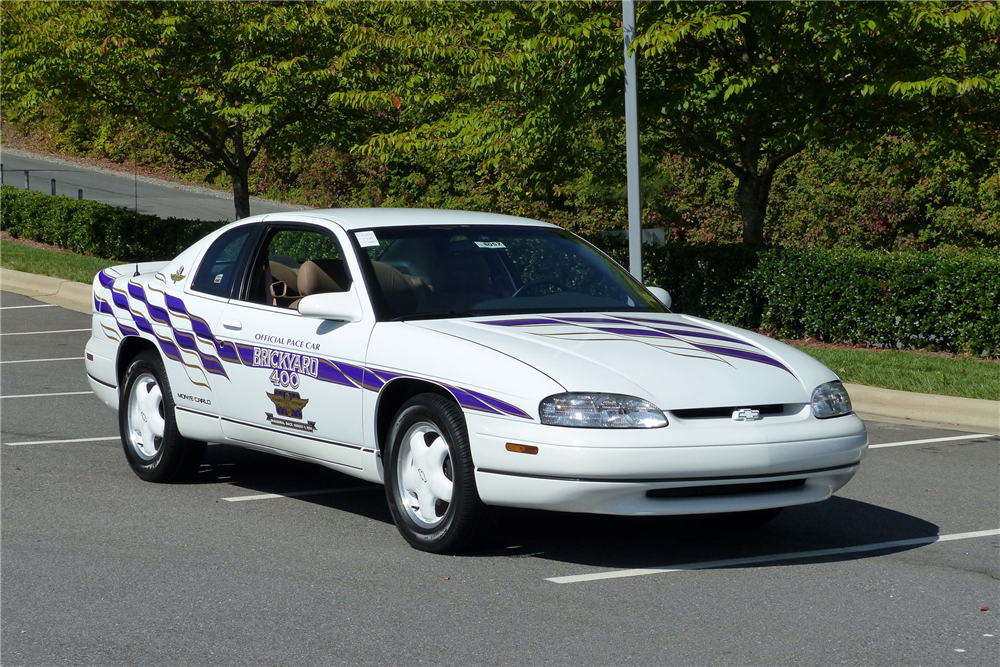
{"type": "Point", "coordinates": [675, 361]}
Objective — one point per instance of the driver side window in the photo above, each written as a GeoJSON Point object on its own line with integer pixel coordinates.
{"type": "Point", "coordinates": [297, 262]}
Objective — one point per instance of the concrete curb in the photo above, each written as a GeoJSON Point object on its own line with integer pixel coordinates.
{"type": "Point", "coordinates": [966, 413]}
{"type": "Point", "coordinates": [947, 411]}
{"type": "Point", "coordinates": [66, 293]}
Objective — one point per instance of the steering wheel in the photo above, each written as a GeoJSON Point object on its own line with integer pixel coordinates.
{"type": "Point", "coordinates": [535, 283]}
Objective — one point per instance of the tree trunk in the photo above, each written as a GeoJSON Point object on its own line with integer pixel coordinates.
{"type": "Point", "coordinates": [241, 193]}
{"type": "Point", "coordinates": [752, 195]}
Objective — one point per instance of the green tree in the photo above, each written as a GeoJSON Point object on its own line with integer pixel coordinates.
{"type": "Point", "coordinates": [537, 87]}
{"type": "Point", "coordinates": [228, 79]}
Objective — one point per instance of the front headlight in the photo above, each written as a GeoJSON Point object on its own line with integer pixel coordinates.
{"type": "Point", "coordinates": [830, 400]}
{"type": "Point", "coordinates": [600, 411]}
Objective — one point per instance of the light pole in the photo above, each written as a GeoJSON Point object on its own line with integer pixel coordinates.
{"type": "Point", "coordinates": [632, 145]}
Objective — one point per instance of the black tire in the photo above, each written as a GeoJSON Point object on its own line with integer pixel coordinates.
{"type": "Point", "coordinates": [436, 423]}
{"type": "Point", "coordinates": [153, 446]}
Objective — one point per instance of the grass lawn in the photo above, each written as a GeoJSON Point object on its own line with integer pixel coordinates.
{"type": "Point", "coordinates": [58, 264]}
{"type": "Point", "coordinates": [907, 371]}
{"type": "Point", "coordinates": [912, 371]}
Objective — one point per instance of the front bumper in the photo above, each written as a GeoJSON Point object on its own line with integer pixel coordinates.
{"type": "Point", "coordinates": [685, 468]}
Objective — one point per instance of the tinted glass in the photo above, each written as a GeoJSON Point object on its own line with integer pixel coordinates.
{"type": "Point", "coordinates": [220, 264]}
{"type": "Point", "coordinates": [455, 271]}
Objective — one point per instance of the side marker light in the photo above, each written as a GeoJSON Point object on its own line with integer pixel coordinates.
{"type": "Point", "coordinates": [521, 449]}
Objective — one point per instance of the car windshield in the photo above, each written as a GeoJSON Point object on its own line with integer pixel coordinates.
{"type": "Point", "coordinates": [460, 271]}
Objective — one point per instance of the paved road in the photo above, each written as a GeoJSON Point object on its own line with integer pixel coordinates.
{"type": "Point", "coordinates": [156, 197]}
{"type": "Point", "coordinates": [99, 567]}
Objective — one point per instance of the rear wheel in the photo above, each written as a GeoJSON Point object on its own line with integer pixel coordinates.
{"type": "Point", "coordinates": [429, 476]}
{"type": "Point", "coordinates": [153, 446]}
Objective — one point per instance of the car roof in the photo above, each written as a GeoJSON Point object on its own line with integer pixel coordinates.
{"type": "Point", "coordinates": [371, 218]}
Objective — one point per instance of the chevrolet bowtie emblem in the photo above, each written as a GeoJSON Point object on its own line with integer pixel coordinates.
{"type": "Point", "coordinates": [746, 415]}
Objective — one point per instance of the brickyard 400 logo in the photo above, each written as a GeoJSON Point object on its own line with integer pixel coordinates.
{"type": "Point", "coordinates": [288, 366]}
{"type": "Point", "coordinates": [288, 405]}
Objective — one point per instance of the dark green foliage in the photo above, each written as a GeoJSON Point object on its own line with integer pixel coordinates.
{"type": "Point", "coordinates": [96, 229]}
{"type": "Point", "coordinates": [940, 300]}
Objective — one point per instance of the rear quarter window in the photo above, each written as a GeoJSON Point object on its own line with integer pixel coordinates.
{"type": "Point", "coordinates": [221, 264]}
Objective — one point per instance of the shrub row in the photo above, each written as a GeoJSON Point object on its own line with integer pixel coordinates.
{"type": "Point", "coordinates": [92, 228]}
{"type": "Point", "coordinates": [939, 300]}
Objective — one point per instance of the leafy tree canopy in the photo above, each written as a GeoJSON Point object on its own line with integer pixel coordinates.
{"type": "Point", "coordinates": [226, 78]}
{"type": "Point", "coordinates": [746, 85]}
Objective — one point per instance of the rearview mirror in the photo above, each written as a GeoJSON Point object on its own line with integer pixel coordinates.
{"type": "Point", "coordinates": [662, 295]}
{"type": "Point", "coordinates": [342, 306]}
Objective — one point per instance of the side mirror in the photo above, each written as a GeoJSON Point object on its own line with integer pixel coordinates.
{"type": "Point", "coordinates": [342, 306]}
{"type": "Point", "coordinates": [662, 295]}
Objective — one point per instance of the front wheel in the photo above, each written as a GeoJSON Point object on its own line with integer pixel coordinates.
{"type": "Point", "coordinates": [155, 449]}
{"type": "Point", "coordinates": [429, 476]}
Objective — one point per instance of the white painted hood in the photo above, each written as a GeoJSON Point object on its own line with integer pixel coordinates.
{"type": "Point", "coordinates": [675, 361]}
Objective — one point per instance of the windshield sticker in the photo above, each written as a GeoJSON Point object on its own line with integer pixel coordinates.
{"type": "Point", "coordinates": [367, 239]}
{"type": "Point", "coordinates": [490, 244]}
{"type": "Point", "coordinates": [288, 405]}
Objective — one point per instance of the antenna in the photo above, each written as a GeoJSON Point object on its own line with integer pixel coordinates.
{"type": "Point", "coordinates": [135, 182]}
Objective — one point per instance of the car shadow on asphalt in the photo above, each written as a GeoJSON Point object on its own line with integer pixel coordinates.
{"type": "Point", "coordinates": [249, 472]}
{"type": "Point", "coordinates": [593, 540]}
{"type": "Point", "coordinates": [650, 542]}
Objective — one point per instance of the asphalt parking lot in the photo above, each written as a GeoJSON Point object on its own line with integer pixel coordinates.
{"type": "Point", "coordinates": [263, 560]}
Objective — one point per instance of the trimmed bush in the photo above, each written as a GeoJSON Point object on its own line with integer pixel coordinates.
{"type": "Point", "coordinates": [939, 300]}
{"type": "Point", "coordinates": [96, 229]}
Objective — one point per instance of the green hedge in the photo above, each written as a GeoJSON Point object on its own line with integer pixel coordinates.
{"type": "Point", "coordinates": [939, 300]}
{"type": "Point", "coordinates": [96, 229]}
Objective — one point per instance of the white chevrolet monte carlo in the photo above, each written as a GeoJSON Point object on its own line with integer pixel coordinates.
{"type": "Point", "coordinates": [463, 360]}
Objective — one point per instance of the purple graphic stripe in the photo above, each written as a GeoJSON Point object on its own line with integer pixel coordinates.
{"type": "Point", "coordinates": [663, 323]}
{"type": "Point", "coordinates": [467, 400]}
{"type": "Point", "coordinates": [142, 323]}
{"type": "Point", "coordinates": [726, 339]}
{"type": "Point", "coordinates": [518, 323]}
{"type": "Point", "coordinates": [587, 320]}
{"type": "Point", "coordinates": [125, 329]}
{"type": "Point", "coordinates": [227, 351]}
{"type": "Point", "coordinates": [329, 372]}
{"type": "Point", "coordinates": [743, 354]}
{"type": "Point", "coordinates": [119, 299]}
{"type": "Point", "coordinates": [376, 379]}
{"type": "Point", "coordinates": [175, 304]}
{"type": "Point", "coordinates": [102, 306]}
{"type": "Point", "coordinates": [647, 333]}
{"type": "Point", "coordinates": [502, 406]}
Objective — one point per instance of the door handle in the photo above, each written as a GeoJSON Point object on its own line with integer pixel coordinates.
{"type": "Point", "coordinates": [234, 325]}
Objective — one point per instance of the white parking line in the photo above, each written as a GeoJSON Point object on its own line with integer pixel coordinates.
{"type": "Point", "coordinates": [33, 361]}
{"type": "Point", "coordinates": [295, 494]}
{"type": "Point", "coordinates": [920, 442]}
{"type": "Point", "coordinates": [61, 393]}
{"type": "Point", "coordinates": [33, 333]}
{"type": "Point", "coordinates": [56, 442]}
{"type": "Point", "coordinates": [41, 305]}
{"type": "Point", "coordinates": [798, 555]}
